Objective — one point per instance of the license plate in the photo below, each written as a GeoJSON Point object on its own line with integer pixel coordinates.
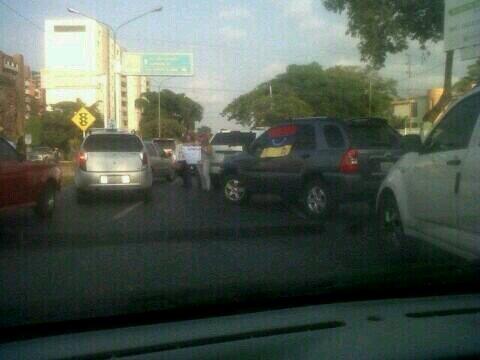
{"type": "Point", "coordinates": [386, 166]}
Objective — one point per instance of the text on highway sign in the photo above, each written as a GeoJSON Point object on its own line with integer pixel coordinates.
{"type": "Point", "coordinates": [158, 64]}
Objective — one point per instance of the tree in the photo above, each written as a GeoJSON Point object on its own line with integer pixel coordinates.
{"type": "Point", "coordinates": [468, 81]}
{"type": "Point", "coordinates": [57, 129]}
{"type": "Point", "coordinates": [204, 130]}
{"type": "Point", "coordinates": [178, 113]}
{"type": "Point", "coordinates": [307, 90]}
{"type": "Point", "coordinates": [386, 27]}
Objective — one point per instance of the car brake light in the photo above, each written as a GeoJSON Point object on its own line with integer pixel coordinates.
{"type": "Point", "coordinates": [144, 158]}
{"type": "Point", "coordinates": [82, 160]}
{"type": "Point", "coordinates": [349, 162]}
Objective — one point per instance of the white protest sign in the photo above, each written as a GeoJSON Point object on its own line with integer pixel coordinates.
{"type": "Point", "coordinates": [192, 154]}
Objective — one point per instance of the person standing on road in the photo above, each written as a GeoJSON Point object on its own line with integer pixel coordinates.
{"type": "Point", "coordinates": [203, 166]}
{"type": "Point", "coordinates": [182, 165]}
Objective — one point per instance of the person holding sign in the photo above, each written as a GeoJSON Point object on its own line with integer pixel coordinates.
{"type": "Point", "coordinates": [188, 153]}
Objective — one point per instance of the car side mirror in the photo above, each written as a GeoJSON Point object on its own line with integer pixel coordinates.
{"type": "Point", "coordinates": [411, 143]}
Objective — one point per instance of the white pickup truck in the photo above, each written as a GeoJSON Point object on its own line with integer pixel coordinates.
{"type": "Point", "coordinates": [433, 193]}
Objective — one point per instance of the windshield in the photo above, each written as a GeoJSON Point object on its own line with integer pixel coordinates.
{"type": "Point", "coordinates": [233, 139]}
{"type": "Point", "coordinates": [185, 155]}
{"type": "Point", "coordinates": [112, 143]}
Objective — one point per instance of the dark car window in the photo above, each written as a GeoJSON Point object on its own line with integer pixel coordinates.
{"type": "Point", "coordinates": [334, 137]}
{"type": "Point", "coordinates": [456, 128]}
{"type": "Point", "coordinates": [368, 135]}
{"type": "Point", "coordinates": [110, 143]}
{"type": "Point", "coordinates": [151, 149]}
{"type": "Point", "coordinates": [7, 153]}
{"type": "Point", "coordinates": [305, 138]}
{"type": "Point", "coordinates": [234, 138]}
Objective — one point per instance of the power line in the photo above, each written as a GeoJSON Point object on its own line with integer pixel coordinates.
{"type": "Point", "coordinates": [38, 27]}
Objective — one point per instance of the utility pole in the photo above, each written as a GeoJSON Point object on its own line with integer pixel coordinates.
{"type": "Point", "coordinates": [159, 113]}
{"type": "Point", "coordinates": [370, 96]}
{"type": "Point", "coordinates": [409, 92]}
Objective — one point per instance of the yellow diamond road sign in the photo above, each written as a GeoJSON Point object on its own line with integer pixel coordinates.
{"type": "Point", "coordinates": [83, 119]}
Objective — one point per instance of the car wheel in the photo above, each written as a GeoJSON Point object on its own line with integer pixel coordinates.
{"type": "Point", "coordinates": [317, 200]}
{"type": "Point", "coordinates": [147, 195]}
{"type": "Point", "coordinates": [234, 190]}
{"type": "Point", "coordinates": [46, 202]}
{"type": "Point", "coordinates": [390, 227]}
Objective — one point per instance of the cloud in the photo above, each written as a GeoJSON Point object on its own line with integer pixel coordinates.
{"type": "Point", "coordinates": [303, 12]}
{"type": "Point", "coordinates": [273, 69]}
{"type": "Point", "coordinates": [231, 33]}
{"type": "Point", "coordinates": [237, 12]}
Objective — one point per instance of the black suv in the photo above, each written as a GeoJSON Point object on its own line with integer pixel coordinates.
{"type": "Point", "coordinates": [319, 161]}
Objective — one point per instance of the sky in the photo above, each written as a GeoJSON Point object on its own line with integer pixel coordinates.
{"type": "Point", "coordinates": [236, 44]}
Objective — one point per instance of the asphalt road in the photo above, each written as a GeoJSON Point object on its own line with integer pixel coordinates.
{"type": "Point", "coordinates": [117, 254]}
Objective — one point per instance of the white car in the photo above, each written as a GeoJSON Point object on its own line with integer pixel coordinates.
{"type": "Point", "coordinates": [433, 194]}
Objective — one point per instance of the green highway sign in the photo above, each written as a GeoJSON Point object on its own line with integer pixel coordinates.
{"type": "Point", "coordinates": [157, 64]}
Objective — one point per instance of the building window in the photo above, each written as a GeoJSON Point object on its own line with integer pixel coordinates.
{"type": "Point", "coordinates": [69, 28]}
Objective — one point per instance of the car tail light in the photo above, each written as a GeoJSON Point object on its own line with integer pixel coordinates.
{"type": "Point", "coordinates": [144, 158]}
{"type": "Point", "coordinates": [82, 160]}
{"type": "Point", "coordinates": [349, 162]}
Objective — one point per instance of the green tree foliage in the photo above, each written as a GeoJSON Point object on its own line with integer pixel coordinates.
{"type": "Point", "coordinates": [57, 129]}
{"type": "Point", "coordinates": [204, 130]}
{"type": "Point", "coordinates": [468, 81]}
{"type": "Point", "coordinates": [387, 26]}
{"type": "Point", "coordinates": [308, 90]}
{"type": "Point", "coordinates": [178, 113]}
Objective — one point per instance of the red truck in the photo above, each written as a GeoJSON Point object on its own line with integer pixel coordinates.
{"type": "Point", "coordinates": [25, 183]}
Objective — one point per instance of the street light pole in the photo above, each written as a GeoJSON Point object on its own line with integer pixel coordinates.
{"type": "Point", "coordinates": [114, 35]}
{"type": "Point", "coordinates": [159, 107]}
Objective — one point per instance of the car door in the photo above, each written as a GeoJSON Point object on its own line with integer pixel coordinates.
{"type": "Point", "coordinates": [433, 179]}
{"type": "Point", "coordinates": [13, 177]}
{"type": "Point", "coordinates": [155, 161]}
{"type": "Point", "coordinates": [468, 198]}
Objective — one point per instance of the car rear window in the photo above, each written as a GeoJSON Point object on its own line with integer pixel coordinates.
{"type": "Point", "coordinates": [233, 138]}
{"type": "Point", "coordinates": [372, 136]}
{"type": "Point", "coordinates": [333, 137]}
{"type": "Point", "coordinates": [112, 143]}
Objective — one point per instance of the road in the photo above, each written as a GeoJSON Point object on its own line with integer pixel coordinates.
{"type": "Point", "coordinates": [118, 254]}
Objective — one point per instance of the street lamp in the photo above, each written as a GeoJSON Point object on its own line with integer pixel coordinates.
{"type": "Point", "coordinates": [114, 32]}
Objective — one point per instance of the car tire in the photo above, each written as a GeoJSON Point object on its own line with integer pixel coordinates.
{"type": "Point", "coordinates": [46, 201]}
{"type": "Point", "coordinates": [391, 236]}
{"type": "Point", "coordinates": [81, 196]}
{"type": "Point", "coordinates": [233, 190]}
{"type": "Point", "coordinates": [318, 200]}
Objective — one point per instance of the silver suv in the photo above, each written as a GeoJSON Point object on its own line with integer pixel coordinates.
{"type": "Point", "coordinates": [112, 160]}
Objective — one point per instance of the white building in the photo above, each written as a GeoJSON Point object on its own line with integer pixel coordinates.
{"type": "Point", "coordinates": [80, 64]}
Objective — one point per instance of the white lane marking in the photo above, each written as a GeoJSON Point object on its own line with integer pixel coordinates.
{"type": "Point", "coordinates": [127, 210]}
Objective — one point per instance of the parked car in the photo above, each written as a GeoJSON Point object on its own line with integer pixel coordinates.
{"type": "Point", "coordinates": [41, 153]}
{"type": "Point", "coordinates": [433, 193]}
{"type": "Point", "coordinates": [225, 144]}
{"type": "Point", "coordinates": [321, 162]}
{"type": "Point", "coordinates": [161, 162]}
{"type": "Point", "coordinates": [168, 145]}
{"type": "Point", "coordinates": [112, 160]}
{"type": "Point", "coordinates": [26, 183]}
